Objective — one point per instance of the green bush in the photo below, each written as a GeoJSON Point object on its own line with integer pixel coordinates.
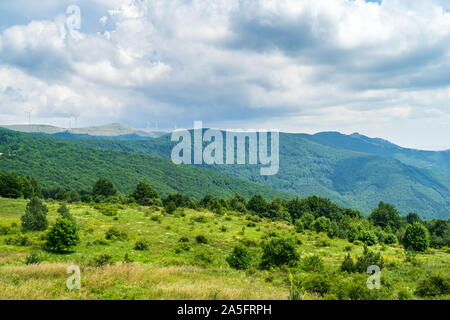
{"type": "Point", "coordinates": [62, 236]}
{"type": "Point", "coordinates": [201, 239]}
{"type": "Point", "coordinates": [18, 239]}
{"type": "Point", "coordinates": [368, 258]}
{"type": "Point", "coordinates": [102, 260]}
{"type": "Point", "coordinates": [390, 238]}
{"type": "Point", "coordinates": [299, 226]}
{"type": "Point", "coordinates": [307, 219]}
{"type": "Point", "coordinates": [35, 217]}
{"type": "Point", "coordinates": [239, 259]}
{"type": "Point", "coordinates": [203, 258]}
{"type": "Point", "coordinates": [279, 252]}
{"type": "Point", "coordinates": [33, 259]}
{"type": "Point", "coordinates": [141, 245]}
{"type": "Point", "coordinates": [114, 234]}
{"type": "Point", "coordinates": [348, 265]}
{"type": "Point", "coordinates": [170, 207]}
{"type": "Point", "coordinates": [405, 294]}
{"type": "Point", "coordinates": [183, 239]}
{"type": "Point", "coordinates": [317, 283]}
{"type": "Point", "coordinates": [368, 237]}
{"type": "Point", "coordinates": [416, 237]}
{"type": "Point", "coordinates": [313, 264]}
{"type": "Point", "coordinates": [64, 211]}
{"type": "Point", "coordinates": [322, 224]}
{"type": "Point", "coordinates": [435, 285]}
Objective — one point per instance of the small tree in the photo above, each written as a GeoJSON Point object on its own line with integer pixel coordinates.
{"type": "Point", "coordinates": [35, 217]}
{"type": "Point", "coordinates": [103, 187]}
{"type": "Point", "coordinates": [64, 211]}
{"type": "Point", "coordinates": [144, 194]}
{"type": "Point", "coordinates": [278, 252]}
{"type": "Point", "coordinates": [61, 194]}
{"type": "Point", "coordinates": [416, 237]}
{"type": "Point", "coordinates": [74, 196]}
{"type": "Point", "coordinates": [170, 207]}
{"type": "Point", "coordinates": [257, 204]}
{"type": "Point", "coordinates": [62, 236]}
{"type": "Point", "coordinates": [239, 259]}
{"type": "Point", "coordinates": [299, 226]}
{"type": "Point", "coordinates": [307, 219]}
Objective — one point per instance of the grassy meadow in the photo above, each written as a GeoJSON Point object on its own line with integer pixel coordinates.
{"type": "Point", "coordinates": [172, 269]}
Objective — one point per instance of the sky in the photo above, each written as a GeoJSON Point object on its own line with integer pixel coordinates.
{"type": "Point", "coordinates": [379, 68]}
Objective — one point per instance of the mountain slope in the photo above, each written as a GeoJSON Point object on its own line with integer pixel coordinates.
{"type": "Point", "coordinates": [432, 160]}
{"type": "Point", "coordinates": [349, 178]}
{"type": "Point", "coordinates": [54, 162]}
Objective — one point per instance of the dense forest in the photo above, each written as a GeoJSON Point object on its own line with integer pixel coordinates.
{"type": "Point", "coordinates": [308, 166]}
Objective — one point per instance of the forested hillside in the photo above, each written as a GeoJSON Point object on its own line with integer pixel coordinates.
{"type": "Point", "coordinates": [55, 162]}
{"type": "Point", "coordinates": [355, 179]}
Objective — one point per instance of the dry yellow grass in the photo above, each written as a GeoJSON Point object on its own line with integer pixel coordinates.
{"type": "Point", "coordinates": [133, 281]}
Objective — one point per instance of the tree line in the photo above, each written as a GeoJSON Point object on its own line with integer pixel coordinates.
{"type": "Point", "coordinates": [384, 225]}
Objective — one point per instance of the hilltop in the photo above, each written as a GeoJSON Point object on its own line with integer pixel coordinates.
{"type": "Point", "coordinates": [109, 130]}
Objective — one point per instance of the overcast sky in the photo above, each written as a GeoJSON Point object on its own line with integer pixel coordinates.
{"type": "Point", "coordinates": [378, 68]}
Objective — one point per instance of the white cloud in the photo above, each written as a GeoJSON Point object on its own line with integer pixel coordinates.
{"type": "Point", "coordinates": [299, 65]}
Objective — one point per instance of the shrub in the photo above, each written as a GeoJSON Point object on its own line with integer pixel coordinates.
{"type": "Point", "coordinates": [64, 211]}
{"type": "Point", "coordinates": [433, 286]}
{"type": "Point", "coordinates": [18, 239]}
{"type": "Point", "coordinates": [390, 238]}
{"type": "Point", "coordinates": [368, 237]}
{"type": "Point", "coordinates": [203, 258]}
{"type": "Point", "coordinates": [322, 224]}
{"type": "Point", "coordinates": [307, 219]}
{"type": "Point", "coordinates": [183, 239]}
{"type": "Point", "coordinates": [348, 265]}
{"type": "Point", "coordinates": [170, 207]}
{"type": "Point", "coordinates": [102, 260]}
{"type": "Point", "coordinates": [62, 236]}
{"type": "Point", "coordinates": [141, 245]}
{"type": "Point", "coordinates": [239, 259]}
{"type": "Point", "coordinates": [313, 264]}
{"type": "Point", "coordinates": [416, 237]}
{"type": "Point", "coordinates": [299, 226]}
{"type": "Point", "coordinates": [317, 283]}
{"type": "Point", "coordinates": [35, 217]}
{"type": "Point", "coordinates": [33, 259]}
{"type": "Point", "coordinates": [404, 294]}
{"type": "Point", "coordinates": [223, 229]}
{"type": "Point", "coordinates": [278, 252]}
{"type": "Point", "coordinates": [108, 211]}
{"type": "Point", "coordinates": [157, 218]}
{"type": "Point", "coordinates": [368, 258]}
{"type": "Point", "coordinates": [115, 234]}
{"type": "Point", "coordinates": [201, 239]}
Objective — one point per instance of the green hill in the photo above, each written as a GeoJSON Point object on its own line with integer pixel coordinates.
{"type": "Point", "coordinates": [349, 178]}
{"type": "Point", "coordinates": [54, 162]}
{"type": "Point", "coordinates": [432, 160]}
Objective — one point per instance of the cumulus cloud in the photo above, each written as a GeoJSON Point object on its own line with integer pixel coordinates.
{"type": "Point", "coordinates": [381, 69]}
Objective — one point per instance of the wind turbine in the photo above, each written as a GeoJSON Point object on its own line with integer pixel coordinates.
{"type": "Point", "coordinates": [29, 115]}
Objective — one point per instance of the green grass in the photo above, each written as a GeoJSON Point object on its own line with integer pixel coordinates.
{"type": "Point", "coordinates": [166, 271]}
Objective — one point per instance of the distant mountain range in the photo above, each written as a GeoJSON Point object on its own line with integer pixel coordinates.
{"type": "Point", "coordinates": [352, 170]}
{"type": "Point", "coordinates": [110, 130]}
